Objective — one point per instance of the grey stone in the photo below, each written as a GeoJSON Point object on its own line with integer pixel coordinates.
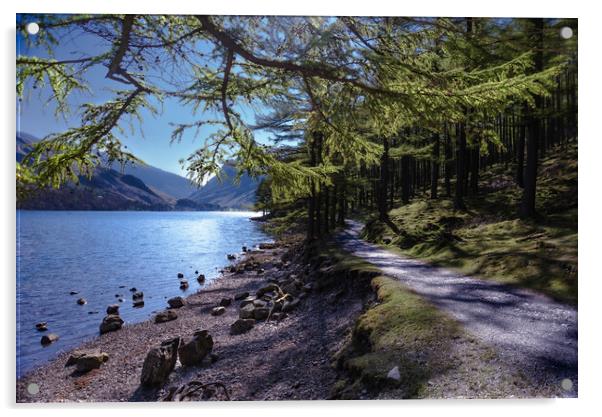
{"type": "Point", "coordinates": [241, 326]}
{"type": "Point", "coordinates": [193, 352]}
{"type": "Point", "coordinates": [164, 316]}
{"type": "Point", "coordinates": [111, 323]}
{"type": "Point", "coordinates": [159, 363]}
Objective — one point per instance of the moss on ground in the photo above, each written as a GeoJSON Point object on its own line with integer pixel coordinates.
{"type": "Point", "coordinates": [489, 240]}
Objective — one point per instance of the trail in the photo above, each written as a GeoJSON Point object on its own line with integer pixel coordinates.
{"type": "Point", "coordinates": [530, 331]}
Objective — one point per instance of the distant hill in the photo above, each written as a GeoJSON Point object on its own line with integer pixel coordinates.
{"type": "Point", "coordinates": [106, 190]}
{"type": "Point", "coordinates": [227, 193]}
{"type": "Point", "coordinates": [140, 188]}
{"type": "Point", "coordinates": [168, 183]}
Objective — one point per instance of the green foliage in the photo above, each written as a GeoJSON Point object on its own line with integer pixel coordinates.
{"type": "Point", "coordinates": [354, 80]}
{"type": "Point", "coordinates": [489, 240]}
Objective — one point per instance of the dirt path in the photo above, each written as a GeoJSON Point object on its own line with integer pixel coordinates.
{"type": "Point", "coordinates": [531, 332]}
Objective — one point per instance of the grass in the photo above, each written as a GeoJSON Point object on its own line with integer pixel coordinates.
{"type": "Point", "coordinates": [489, 240]}
{"type": "Point", "coordinates": [405, 331]}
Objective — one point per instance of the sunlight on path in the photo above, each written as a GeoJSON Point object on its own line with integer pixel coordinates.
{"type": "Point", "coordinates": [530, 331]}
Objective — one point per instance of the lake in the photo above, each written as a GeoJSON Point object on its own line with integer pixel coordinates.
{"type": "Point", "coordinates": [101, 255]}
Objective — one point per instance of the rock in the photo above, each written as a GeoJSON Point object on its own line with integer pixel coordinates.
{"type": "Point", "coordinates": [218, 311]}
{"type": "Point", "coordinates": [290, 305]}
{"type": "Point", "coordinates": [121, 300]}
{"type": "Point", "coordinates": [164, 316]}
{"type": "Point", "coordinates": [277, 316]}
{"type": "Point", "coordinates": [49, 338]}
{"type": "Point", "coordinates": [159, 363]}
{"type": "Point", "coordinates": [241, 296]}
{"type": "Point", "coordinates": [231, 257]}
{"type": "Point", "coordinates": [73, 292]}
{"type": "Point", "coordinates": [268, 288]}
{"type": "Point", "coordinates": [73, 358]}
{"type": "Point", "coordinates": [225, 302]}
{"type": "Point", "coordinates": [133, 289]}
{"type": "Point", "coordinates": [92, 312]}
{"type": "Point", "coordinates": [261, 313]}
{"type": "Point", "coordinates": [113, 309]}
{"type": "Point", "coordinates": [137, 295]}
{"type": "Point", "coordinates": [248, 300]}
{"type": "Point", "coordinates": [183, 284]}
{"type": "Point", "coordinates": [81, 301]}
{"type": "Point", "coordinates": [267, 246]}
{"type": "Point", "coordinates": [244, 248]}
{"type": "Point", "coordinates": [247, 312]}
{"type": "Point", "coordinates": [176, 302]}
{"type": "Point", "coordinates": [200, 278]}
{"type": "Point", "coordinates": [41, 326]}
{"type": "Point", "coordinates": [138, 304]}
{"type": "Point", "coordinates": [89, 361]}
{"type": "Point", "coordinates": [241, 326]}
{"type": "Point", "coordinates": [122, 286]}
{"type": "Point", "coordinates": [213, 357]}
{"type": "Point", "coordinates": [180, 275]}
{"type": "Point", "coordinates": [259, 303]}
{"type": "Point", "coordinates": [394, 374]}
{"type": "Point", "coordinates": [194, 351]}
{"type": "Point", "coordinates": [111, 323]}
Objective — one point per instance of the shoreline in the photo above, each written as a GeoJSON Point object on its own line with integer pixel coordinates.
{"type": "Point", "coordinates": [240, 362]}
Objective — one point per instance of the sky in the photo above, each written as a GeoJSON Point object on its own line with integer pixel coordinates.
{"type": "Point", "coordinates": [149, 141]}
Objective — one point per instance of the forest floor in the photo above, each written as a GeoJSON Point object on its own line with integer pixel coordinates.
{"type": "Point", "coordinates": [489, 240]}
{"type": "Point", "coordinates": [529, 333]}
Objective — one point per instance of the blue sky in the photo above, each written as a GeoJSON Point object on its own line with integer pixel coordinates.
{"type": "Point", "coordinates": [36, 113]}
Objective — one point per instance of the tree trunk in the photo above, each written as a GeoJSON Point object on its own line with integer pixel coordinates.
{"type": "Point", "coordinates": [530, 175]}
{"type": "Point", "coordinates": [435, 166]}
{"type": "Point", "coordinates": [384, 181]}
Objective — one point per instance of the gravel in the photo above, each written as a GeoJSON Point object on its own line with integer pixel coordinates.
{"type": "Point", "coordinates": [530, 332]}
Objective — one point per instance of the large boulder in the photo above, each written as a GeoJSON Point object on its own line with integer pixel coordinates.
{"type": "Point", "coordinates": [111, 323]}
{"type": "Point", "coordinates": [176, 302]}
{"type": "Point", "coordinates": [137, 295]}
{"type": "Point", "coordinates": [184, 284]}
{"type": "Point", "coordinates": [192, 352]}
{"type": "Point", "coordinates": [159, 363]}
{"type": "Point", "coordinates": [167, 315]}
{"type": "Point", "coordinates": [200, 278]}
{"type": "Point", "coordinates": [241, 326]}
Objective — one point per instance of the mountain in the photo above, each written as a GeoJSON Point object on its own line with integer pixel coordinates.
{"type": "Point", "coordinates": [167, 183]}
{"type": "Point", "coordinates": [140, 188]}
{"type": "Point", "coordinates": [228, 193]}
{"type": "Point", "coordinates": [106, 190]}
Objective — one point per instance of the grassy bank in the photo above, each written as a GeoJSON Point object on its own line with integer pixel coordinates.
{"type": "Point", "coordinates": [489, 240]}
{"type": "Point", "coordinates": [434, 356]}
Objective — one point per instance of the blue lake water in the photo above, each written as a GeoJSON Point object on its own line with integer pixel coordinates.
{"type": "Point", "coordinates": [103, 254]}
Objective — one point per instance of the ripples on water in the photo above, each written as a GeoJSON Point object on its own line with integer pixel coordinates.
{"type": "Point", "coordinates": [102, 255]}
